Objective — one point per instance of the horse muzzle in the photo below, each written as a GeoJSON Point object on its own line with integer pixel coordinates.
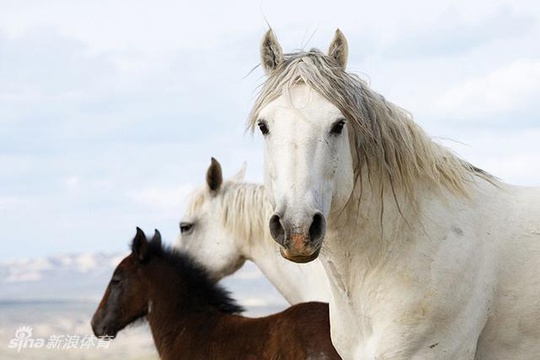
{"type": "Point", "coordinates": [101, 328]}
{"type": "Point", "coordinates": [300, 244]}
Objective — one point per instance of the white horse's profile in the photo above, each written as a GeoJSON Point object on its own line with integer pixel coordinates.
{"type": "Point", "coordinates": [225, 224]}
{"type": "Point", "coordinates": [428, 257]}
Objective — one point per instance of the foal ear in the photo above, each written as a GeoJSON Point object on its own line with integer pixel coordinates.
{"type": "Point", "coordinates": [271, 53]}
{"type": "Point", "coordinates": [140, 245]}
{"type": "Point", "coordinates": [157, 238]}
{"type": "Point", "coordinates": [239, 176]}
{"type": "Point", "coordinates": [214, 176]}
{"type": "Point", "coordinates": [338, 49]}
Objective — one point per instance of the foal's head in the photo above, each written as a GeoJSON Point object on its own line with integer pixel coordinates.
{"type": "Point", "coordinates": [126, 296]}
{"type": "Point", "coordinates": [156, 275]}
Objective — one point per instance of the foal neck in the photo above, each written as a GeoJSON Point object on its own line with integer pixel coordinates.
{"type": "Point", "coordinates": [182, 299]}
{"type": "Point", "coordinates": [166, 306]}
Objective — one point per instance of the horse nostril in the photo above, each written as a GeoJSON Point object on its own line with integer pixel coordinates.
{"type": "Point", "coordinates": [276, 229]}
{"type": "Point", "coordinates": [317, 228]}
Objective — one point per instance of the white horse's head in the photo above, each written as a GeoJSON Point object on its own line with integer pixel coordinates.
{"type": "Point", "coordinates": [308, 162]}
{"type": "Point", "coordinates": [202, 233]}
{"type": "Point", "coordinates": [329, 136]}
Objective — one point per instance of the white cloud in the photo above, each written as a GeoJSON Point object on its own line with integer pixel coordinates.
{"type": "Point", "coordinates": [73, 183]}
{"type": "Point", "coordinates": [513, 155]}
{"type": "Point", "coordinates": [27, 270]}
{"type": "Point", "coordinates": [11, 201]}
{"type": "Point", "coordinates": [162, 198]}
{"type": "Point", "coordinates": [452, 33]}
{"type": "Point", "coordinates": [85, 262]}
{"type": "Point", "coordinates": [515, 86]}
{"type": "Point", "coordinates": [109, 115]}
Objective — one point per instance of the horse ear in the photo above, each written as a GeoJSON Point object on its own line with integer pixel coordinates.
{"type": "Point", "coordinates": [239, 176]}
{"type": "Point", "coordinates": [214, 176]}
{"type": "Point", "coordinates": [271, 53]}
{"type": "Point", "coordinates": [338, 49]}
{"type": "Point", "coordinates": [140, 245]}
{"type": "Point", "coordinates": [157, 237]}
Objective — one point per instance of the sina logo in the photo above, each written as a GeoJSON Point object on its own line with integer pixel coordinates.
{"type": "Point", "coordinates": [23, 339]}
{"type": "Point", "coordinates": [23, 333]}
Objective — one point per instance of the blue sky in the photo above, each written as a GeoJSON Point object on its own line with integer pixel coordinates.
{"type": "Point", "coordinates": [111, 110]}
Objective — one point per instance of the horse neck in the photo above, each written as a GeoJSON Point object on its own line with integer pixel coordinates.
{"type": "Point", "coordinates": [381, 222]}
{"type": "Point", "coordinates": [171, 315]}
{"type": "Point", "coordinates": [297, 283]}
{"type": "Point", "coordinates": [245, 211]}
{"type": "Point", "coordinates": [374, 220]}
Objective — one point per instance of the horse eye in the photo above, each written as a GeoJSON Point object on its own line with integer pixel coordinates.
{"type": "Point", "coordinates": [185, 228]}
{"type": "Point", "coordinates": [337, 128]}
{"type": "Point", "coordinates": [263, 127]}
{"type": "Point", "coordinates": [115, 280]}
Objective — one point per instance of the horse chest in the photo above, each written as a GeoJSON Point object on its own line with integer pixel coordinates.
{"type": "Point", "coordinates": [391, 314]}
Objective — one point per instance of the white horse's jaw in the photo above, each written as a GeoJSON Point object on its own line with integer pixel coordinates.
{"type": "Point", "coordinates": [301, 259]}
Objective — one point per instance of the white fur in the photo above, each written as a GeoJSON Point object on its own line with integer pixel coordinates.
{"type": "Point", "coordinates": [230, 226]}
{"type": "Point", "coordinates": [430, 258]}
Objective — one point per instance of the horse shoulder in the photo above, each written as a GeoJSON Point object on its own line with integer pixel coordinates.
{"type": "Point", "coordinates": [512, 329]}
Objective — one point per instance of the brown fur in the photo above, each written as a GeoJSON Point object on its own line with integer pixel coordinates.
{"type": "Point", "coordinates": [300, 332]}
{"type": "Point", "coordinates": [192, 318]}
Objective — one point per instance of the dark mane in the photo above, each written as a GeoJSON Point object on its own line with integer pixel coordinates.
{"type": "Point", "coordinates": [202, 289]}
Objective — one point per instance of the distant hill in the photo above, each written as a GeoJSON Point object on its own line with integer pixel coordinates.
{"type": "Point", "coordinates": [62, 277]}
{"type": "Point", "coordinates": [82, 277]}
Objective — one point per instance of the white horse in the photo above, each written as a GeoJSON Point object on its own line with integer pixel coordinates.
{"type": "Point", "coordinates": [428, 257]}
{"type": "Point", "coordinates": [225, 224]}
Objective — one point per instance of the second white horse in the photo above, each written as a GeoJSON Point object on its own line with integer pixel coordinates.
{"type": "Point", "coordinates": [225, 224]}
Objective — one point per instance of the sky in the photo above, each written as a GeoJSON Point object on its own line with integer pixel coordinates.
{"type": "Point", "coordinates": [111, 110]}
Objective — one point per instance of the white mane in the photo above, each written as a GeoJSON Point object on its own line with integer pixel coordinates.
{"type": "Point", "coordinates": [244, 208]}
{"type": "Point", "coordinates": [386, 142]}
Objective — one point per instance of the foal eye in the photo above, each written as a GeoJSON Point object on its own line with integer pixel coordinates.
{"type": "Point", "coordinates": [263, 127]}
{"type": "Point", "coordinates": [337, 128]}
{"type": "Point", "coordinates": [185, 228]}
